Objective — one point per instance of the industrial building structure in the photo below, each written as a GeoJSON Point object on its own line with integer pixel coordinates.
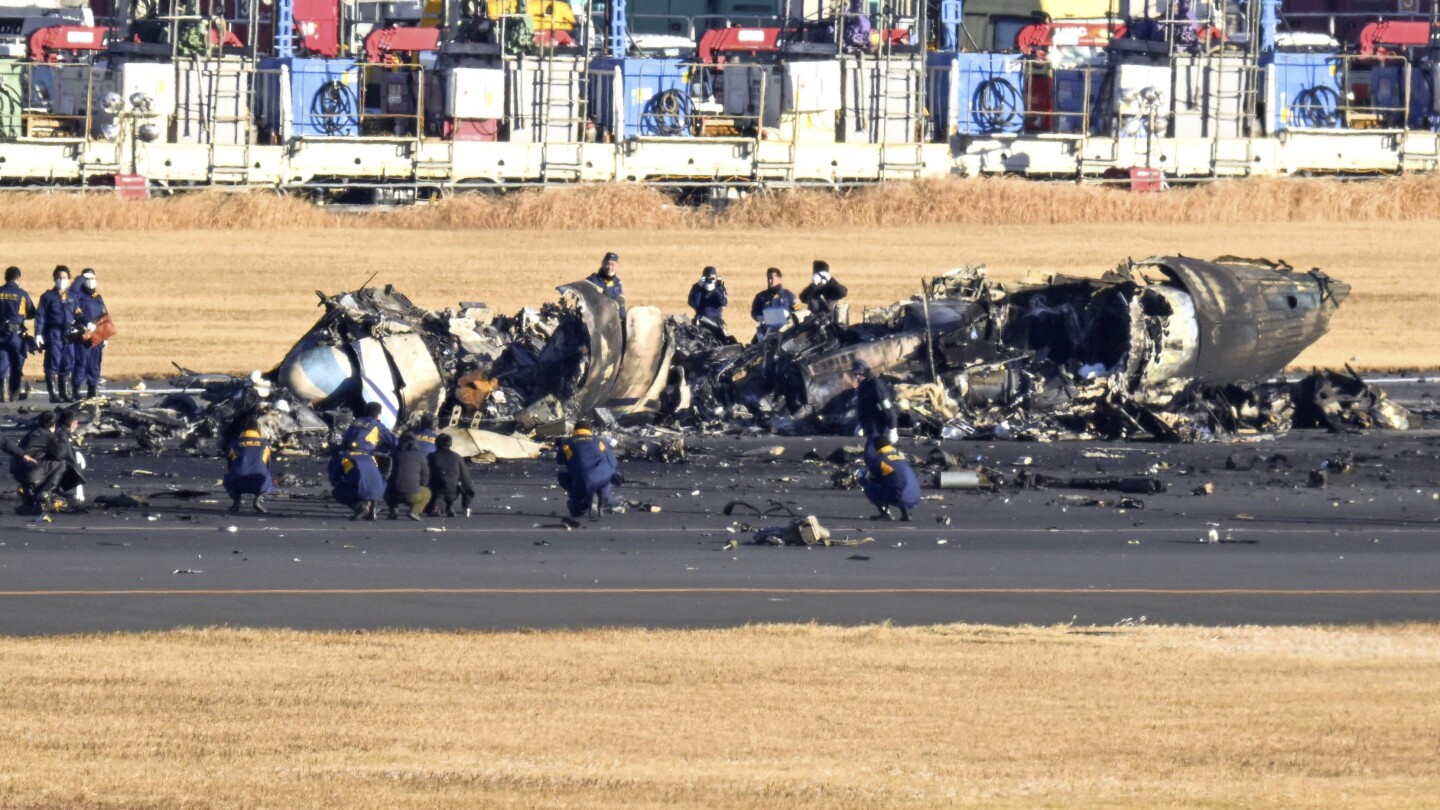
{"type": "Point", "coordinates": [403, 101]}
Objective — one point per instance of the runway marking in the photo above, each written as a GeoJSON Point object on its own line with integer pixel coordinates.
{"type": "Point", "coordinates": [736, 591]}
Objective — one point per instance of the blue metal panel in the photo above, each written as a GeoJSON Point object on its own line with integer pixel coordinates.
{"type": "Point", "coordinates": [1068, 96]}
{"type": "Point", "coordinates": [977, 93]}
{"type": "Point", "coordinates": [1304, 92]}
{"type": "Point", "coordinates": [324, 96]}
{"type": "Point", "coordinates": [651, 98]}
{"type": "Point", "coordinates": [1424, 100]}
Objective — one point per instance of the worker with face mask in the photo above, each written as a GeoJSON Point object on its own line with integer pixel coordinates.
{"type": "Point", "coordinates": [708, 297]}
{"type": "Point", "coordinates": [606, 279]}
{"type": "Point", "coordinates": [824, 292]}
{"type": "Point", "coordinates": [15, 309]}
{"type": "Point", "coordinates": [87, 309]}
{"type": "Point", "coordinates": [52, 320]}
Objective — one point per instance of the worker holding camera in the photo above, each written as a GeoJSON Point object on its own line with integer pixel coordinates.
{"type": "Point", "coordinates": [708, 297]}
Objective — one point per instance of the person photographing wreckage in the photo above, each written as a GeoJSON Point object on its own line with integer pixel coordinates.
{"type": "Point", "coordinates": [824, 293]}
{"type": "Point", "coordinates": [586, 467]}
{"type": "Point", "coordinates": [708, 299]}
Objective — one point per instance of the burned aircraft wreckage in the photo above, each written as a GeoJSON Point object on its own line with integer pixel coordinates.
{"type": "Point", "coordinates": [1169, 348]}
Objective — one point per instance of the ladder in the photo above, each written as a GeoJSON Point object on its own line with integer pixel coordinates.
{"type": "Point", "coordinates": [895, 88]}
{"type": "Point", "coordinates": [228, 118]}
{"type": "Point", "coordinates": [558, 110]}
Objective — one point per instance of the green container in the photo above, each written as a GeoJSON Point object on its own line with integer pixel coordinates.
{"type": "Point", "coordinates": [12, 100]}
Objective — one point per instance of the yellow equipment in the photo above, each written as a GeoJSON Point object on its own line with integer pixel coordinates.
{"type": "Point", "coordinates": [546, 15]}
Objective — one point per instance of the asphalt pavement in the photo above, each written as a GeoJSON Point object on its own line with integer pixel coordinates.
{"type": "Point", "coordinates": [1363, 548]}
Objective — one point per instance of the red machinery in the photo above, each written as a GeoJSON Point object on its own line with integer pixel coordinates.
{"type": "Point", "coordinates": [383, 43]}
{"type": "Point", "coordinates": [1035, 41]}
{"type": "Point", "coordinates": [1391, 37]}
{"type": "Point", "coordinates": [46, 44]}
{"type": "Point", "coordinates": [717, 42]}
{"type": "Point", "coordinates": [317, 25]}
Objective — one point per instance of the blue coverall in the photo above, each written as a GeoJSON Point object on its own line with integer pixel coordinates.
{"type": "Point", "coordinates": [354, 473]}
{"type": "Point", "coordinates": [248, 473]}
{"type": "Point", "coordinates": [52, 320]}
{"type": "Point", "coordinates": [891, 481]}
{"type": "Point", "coordinates": [15, 308]}
{"type": "Point", "coordinates": [586, 467]}
{"type": "Point", "coordinates": [86, 308]}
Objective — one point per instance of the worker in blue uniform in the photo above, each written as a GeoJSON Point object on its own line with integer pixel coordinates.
{"type": "Point", "coordinates": [355, 475]}
{"type": "Point", "coordinates": [606, 278]}
{"type": "Point", "coordinates": [424, 435]}
{"type": "Point", "coordinates": [16, 308]}
{"type": "Point", "coordinates": [247, 469]}
{"type": "Point", "coordinates": [52, 320]}
{"type": "Point", "coordinates": [774, 307]}
{"type": "Point", "coordinates": [86, 309]}
{"type": "Point", "coordinates": [874, 406]}
{"type": "Point", "coordinates": [890, 481]}
{"type": "Point", "coordinates": [586, 467]}
{"type": "Point", "coordinates": [708, 297]}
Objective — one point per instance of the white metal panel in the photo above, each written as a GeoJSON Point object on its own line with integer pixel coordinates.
{"type": "Point", "coordinates": [377, 381]}
{"type": "Point", "coordinates": [475, 93]}
{"type": "Point", "coordinates": [812, 86]}
{"type": "Point", "coordinates": [154, 79]}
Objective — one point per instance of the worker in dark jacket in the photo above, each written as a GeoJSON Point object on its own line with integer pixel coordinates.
{"type": "Point", "coordinates": [354, 473]}
{"type": "Point", "coordinates": [586, 467]}
{"type": "Point", "coordinates": [86, 308]}
{"type": "Point", "coordinates": [16, 308]}
{"type": "Point", "coordinates": [774, 307]}
{"type": "Point", "coordinates": [409, 479]}
{"type": "Point", "coordinates": [449, 479]}
{"type": "Point", "coordinates": [606, 279]}
{"type": "Point", "coordinates": [874, 406]}
{"type": "Point", "coordinates": [248, 467]}
{"type": "Point", "coordinates": [52, 320]}
{"type": "Point", "coordinates": [824, 292]}
{"type": "Point", "coordinates": [44, 461]}
{"type": "Point", "coordinates": [890, 481]}
{"type": "Point", "coordinates": [708, 297]}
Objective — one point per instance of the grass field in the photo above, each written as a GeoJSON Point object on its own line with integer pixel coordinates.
{"type": "Point", "coordinates": [754, 717]}
{"type": "Point", "coordinates": [235, 300]}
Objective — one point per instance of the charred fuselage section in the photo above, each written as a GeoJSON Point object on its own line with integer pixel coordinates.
{"type": "Point", "coordinates": [1169, 347]}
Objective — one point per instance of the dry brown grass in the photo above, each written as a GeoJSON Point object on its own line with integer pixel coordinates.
{"type": "Point", "coordinates": [987, 201]}
{"type": "Point", "coordinates": [236, 300]}
{"type": "Point", "coordinates": [755, 717]}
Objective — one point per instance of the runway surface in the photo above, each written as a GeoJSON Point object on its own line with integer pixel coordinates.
{"type": "Point", "coordinates": [1363, 548]}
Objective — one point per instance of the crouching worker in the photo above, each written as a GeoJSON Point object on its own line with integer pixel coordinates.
{"type": "Point", "coordinates": [45, 464]}
{"type": "Point", "coordinates": [248, 473]}
{"type": "Point", "coordinates": [354, 473]}
{"type": "Point", "coordinates": [586, 467]}
{"type": "Point", "coordinates": [890, 481]}
{"type": "Point", "coordinates": [409, 478]}
{"type": "Point", "coordinates": [449, 480]}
